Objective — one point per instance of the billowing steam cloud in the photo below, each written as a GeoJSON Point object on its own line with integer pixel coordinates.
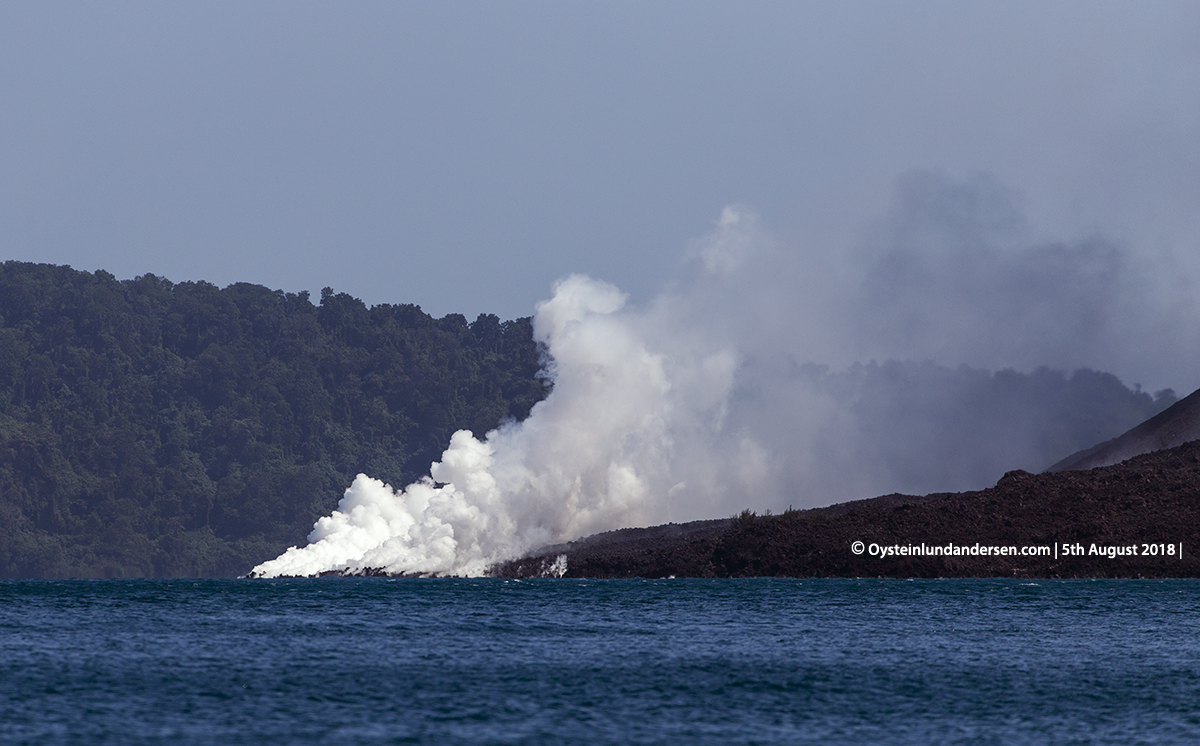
{"type": "Point", "coordinates": [718, 396]}
{"type": "Point", "coordinates": [600, 451]}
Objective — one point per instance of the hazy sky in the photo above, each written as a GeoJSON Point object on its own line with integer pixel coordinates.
{"type": "Point", "coordinates": [462, 156]}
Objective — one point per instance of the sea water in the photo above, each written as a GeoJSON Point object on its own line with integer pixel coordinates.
{"type": "Point", "coordinates": [489, 661]}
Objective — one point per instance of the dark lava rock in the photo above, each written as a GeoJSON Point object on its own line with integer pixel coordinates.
{"type": "Point", "coordinates": [1148, 503]}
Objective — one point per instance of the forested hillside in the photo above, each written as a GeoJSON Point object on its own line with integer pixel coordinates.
{"type": "Point", "coordinates": [156, 429]}
{"type": "Point", "coordinates": [152, 428]}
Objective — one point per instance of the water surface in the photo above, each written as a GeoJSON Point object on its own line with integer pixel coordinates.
{"type": "Point", "coordinates": [373, 660]}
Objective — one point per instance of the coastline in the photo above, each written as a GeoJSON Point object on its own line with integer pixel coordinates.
{"type": "Point", "coordinates": [1100, 523]}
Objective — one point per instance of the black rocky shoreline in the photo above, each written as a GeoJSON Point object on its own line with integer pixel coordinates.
{"type": "Point", "coordinates": [1126, 508]}
{"type": "Point", "coordinates": [1150, 502]}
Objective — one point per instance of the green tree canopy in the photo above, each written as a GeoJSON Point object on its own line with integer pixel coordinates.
{"type": "Point", "coordinates": [149, 428]}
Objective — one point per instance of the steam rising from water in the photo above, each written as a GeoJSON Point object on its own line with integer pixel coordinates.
{"type": "Point", "coordinates": [709, 399]}
{"type": "Point", "coordinates": [600, 452]}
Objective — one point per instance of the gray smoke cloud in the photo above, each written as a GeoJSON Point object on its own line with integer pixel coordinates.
{"type": "Point", "coordinates": [766, 376]}
{"type": "Point", "coordinates": [951, 345]}
{"type": "Point", "coordinates": [954, 275]}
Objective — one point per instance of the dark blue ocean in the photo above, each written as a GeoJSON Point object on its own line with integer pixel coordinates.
{"type": "Point", "coordinates": [368, 661]}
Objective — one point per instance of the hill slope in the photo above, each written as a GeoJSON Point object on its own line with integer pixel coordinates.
{"type": "Point", "coordinates": [1153, 499]}
{"type": "Point", "coordinates": [151, 428]}
{"type": "Point", "coordinates": [156, 429]}
{"type": "Point", "coordinates": [1174, 426]}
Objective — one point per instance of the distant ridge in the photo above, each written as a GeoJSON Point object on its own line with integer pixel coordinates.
{"type": "Point", "coordinates": [1175, 425]}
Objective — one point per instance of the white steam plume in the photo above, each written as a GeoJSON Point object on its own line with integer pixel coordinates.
{"type": "Point", "coordinates": [600, 452]}
{"type": "Point", "coordinates": [715, 396]}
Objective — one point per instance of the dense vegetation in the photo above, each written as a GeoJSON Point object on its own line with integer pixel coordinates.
{"type": "Point", "coordinates": [156, 429]}
{"type": "Point", "coordinates": [153, 429]}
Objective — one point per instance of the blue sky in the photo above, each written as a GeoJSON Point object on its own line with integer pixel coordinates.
{"type": "Point", "coordinates": [462, 156]}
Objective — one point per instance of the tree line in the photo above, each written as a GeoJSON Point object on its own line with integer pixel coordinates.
{"type": "Point", "coordinates": [151, 428]}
